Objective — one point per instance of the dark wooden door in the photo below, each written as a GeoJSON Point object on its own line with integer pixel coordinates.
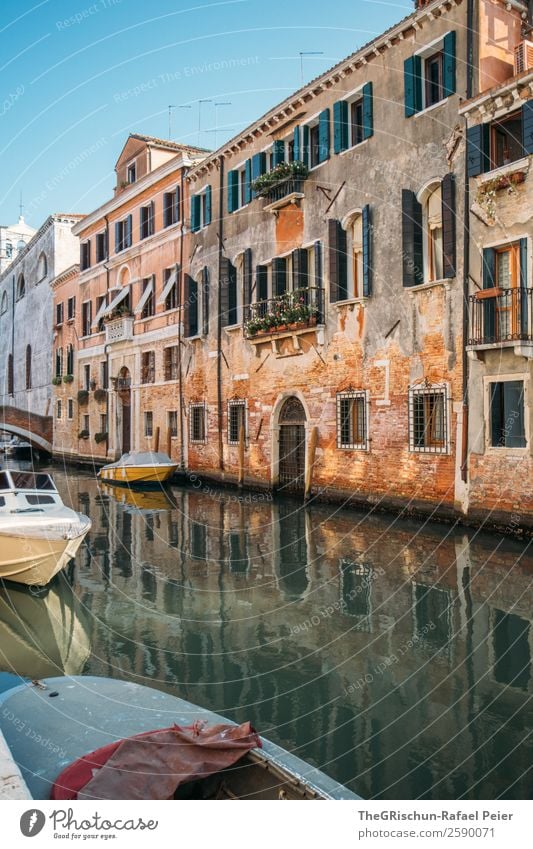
{"type": "Point", "coordinates": [291, 457]}
{"type": "Point", "coordinates": [126, 426]}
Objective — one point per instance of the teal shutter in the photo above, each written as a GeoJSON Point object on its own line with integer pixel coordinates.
{"type": "Point", "coordinates": [177, 204]}
{"type": "Point", "coordinates": [412, 74]}
{"type": "Point", "coordinates": [368, 111]}
{"type": "Point", "coordinates": [261, 283]}
{"type": "Point", "coordinates": [297, 148]}
{"type": "Point", "coordinates": [478, 144]}
{"type": "Point", "coordinates": [129, 231]}
{"type": "Point", "coordinates": [279, 276]}
{"type": "Point", "coordinates": [367, 252]}
{"type": "Point", "coordinates": [233, 191]}
{"type": "Point", "coordinates": [278, 153]}
{"type": "Point", "coordinates": [338, 261]}
{"type": "Point", "coordinates": [323, 136]}
{"type": "Point", "coordinates": [195, 213]}
{"type": "Point", "coordinates": [489, 304]}
{"type": "Point", "coordinates": [413, 263]}
{"type": "Point", "coordinates": [340, 126]}
{"type": "Point", "coordinates": [118, 245]}
{"type": "Point", "coordinates": [318, 264]}
{"type": "Point", "coordinates": [208, 205]}
{"type": "Point", "coordinates": [305, 157]}
{"type": "Point", "coordinates": [524, 319]}
{"type": "Point", "coordinates": [449, 64]}
{"type": "Point", "coordinates": [527, 127]}
{"type": "Point", "coordinates": [258, 167]}
{"type": "Point", "coordinates": [205, 300]}
{"type": "Point", "coordinates": [496, 413]}
{"type": "Point", "coordinates": [248, 181]}
{"type": "Point", "coordinates": [448, 225]}
{"type": "Point", "coordinates": [247, 276]}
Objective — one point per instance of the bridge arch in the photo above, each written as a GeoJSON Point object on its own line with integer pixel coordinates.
{"type": "Point", "coordinates": [35, 429]}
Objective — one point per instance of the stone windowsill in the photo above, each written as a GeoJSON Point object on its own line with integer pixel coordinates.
{"type": "Point", "coordinates": [284, 334]}
{"type": "Point", "coordinates": [292, 198]}
{"type": "Point", "coordinates": [347, 302]}
{"type": "Point", "coordinates": [504, 170]}
{"type": "Point", "coordinates": [423, 287]}
{"type": "Point", "coordinates": [431, 108]}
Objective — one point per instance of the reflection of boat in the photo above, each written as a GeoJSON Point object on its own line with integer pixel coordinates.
{"type": "Point", "coordinates": [80, 719]}
{"type": "Point", "coordinates": [139, 467]}
{"type": "Point", "coordinates": [140, 499]}
{"type": "Point", "coordinates": [38, 534]}
{"type": "Point", "coordinates": [17, 448]}
{"type": "Point", "coordinates": [42, 636]}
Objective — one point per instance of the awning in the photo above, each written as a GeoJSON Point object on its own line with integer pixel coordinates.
{"type": "Point", "coordinates": [122, 295]}
{"type": "Point", "coordinates": [168, 286]}
{"type": "Point", "coordinates": [144, 297]}
{"type": "Point", "coordinates": [99, 314]}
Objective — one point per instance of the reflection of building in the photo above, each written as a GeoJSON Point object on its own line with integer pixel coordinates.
{"type": "Point", "coordinates": [13, 240]}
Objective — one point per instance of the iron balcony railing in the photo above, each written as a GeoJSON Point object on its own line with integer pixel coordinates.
{"type": "Point", "coordinates": [500, 315]}
{"type": "Point", "coordinates": [288, 186]}
{"type": "Point", "coordinates": [290, 311]}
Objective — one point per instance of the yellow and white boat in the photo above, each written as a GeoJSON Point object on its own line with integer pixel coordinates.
{"type": "Point", "coordinates": [139, 467]}
{"type": "Point", "coordinates": [38, 534]}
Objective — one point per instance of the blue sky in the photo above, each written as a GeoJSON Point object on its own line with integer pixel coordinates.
{"type": "Point", "coordinates": [76, 76]}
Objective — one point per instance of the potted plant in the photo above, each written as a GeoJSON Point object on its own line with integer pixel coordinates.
{"type": "Point", "coordinates": [56, 380]}
{"type": "Point", "coordinates": [100, 395]}
{"type": "Point", "coordinates": [68, 378]}
{"type": "Point", "coordinates": [284, 171]}
{"type": "Point", "coordinates": [83, 434]}
{"type": "Point", "coordinates": [100, 437]}
{"type": "Point", "coordinates": [83, 396]}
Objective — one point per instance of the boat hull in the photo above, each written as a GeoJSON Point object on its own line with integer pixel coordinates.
{"type": "Point", "coordinates": [137, 474]}
{"type": "Point", "coordinates": [33, 560]}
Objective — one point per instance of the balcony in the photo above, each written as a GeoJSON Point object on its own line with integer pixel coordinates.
{"type": "Point", "coordinates": [289, 314]}
{"type": "Point", "coordinates": [289, 190]}
{"type": "Point", "coordinates": [501, 318]}
{"type": "Point", "coordinates": [119, 329]}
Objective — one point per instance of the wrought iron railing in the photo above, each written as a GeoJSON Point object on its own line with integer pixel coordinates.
{"type": "Point", "coordinates": [290, 311]}
{"type": "Point", "coordinates": [500, 315]}
{"type": "Point", "coordinates": [280, 190]}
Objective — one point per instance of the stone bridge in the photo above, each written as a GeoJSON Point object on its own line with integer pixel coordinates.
{"type": "Point", "coordinates": [35, 429]}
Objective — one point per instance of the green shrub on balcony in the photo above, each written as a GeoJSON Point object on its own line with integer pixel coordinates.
{"type": "Point", "coordinates": [83, 396]}
{"type": "Point", "coordinates": [100, 437]}
{"type": "Point", "coordinates": [68, 378]}
{"type": "Point", "coordinates": [83, 434]}
{"type": "Point", "coordinates": [100, 395]}
{"type": "Point", "coordinates": [283, 171]}
{"type": "Point", "coordinates": [287, 310]}
{"type": "Point", "coordinates": [56, 380]}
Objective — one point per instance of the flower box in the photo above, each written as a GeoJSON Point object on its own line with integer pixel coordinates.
{"type": "Point", "coordinates": [494, 292]}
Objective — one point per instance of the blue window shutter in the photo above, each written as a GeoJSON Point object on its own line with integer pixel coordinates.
{"type": "Point", "coordinates": [195, 213]}
{"type": "Point", "coordinates": [118, 246]}
{"type": "Point", "coordinates": [412, 73]}
{"type": "Point", "coordinates": [248, 181]}
{"type": "Point", "coordinates": [208, 205]}
{"type": "Point", "coordinates": [496, 413]}
{"type": "Point", "coordinates": [448, 225]}
{"type": "Point", "coordinates": [279, 276]}
{"type": "Point", "coordinates": [524, 329]}
{"type": "Point", "coordinates": [258, 165]}
{"type": "Point", "coordinates": [305, 157]}
{"type": "Point", "coordinates": [323, 136]}
{"type": "Point", "coordinates": [489, 305]}
{"type": "Point", "coordinates": [177, 204]}
{"type": "Point", "coordinates": [261, 283]}
{"type": "Point", "coordinates": [527, 126]}
{"type": "Point", "coordinates": [478, 141]}
{"type": "Point", "coordinates": [129, 231]}
{"type": "Point", "coordinates": [318, 265]}
{"type": "Point", "coordinates": [278, 152]}
{"type": "Point", "coordinates": [412, 253]}
{"type": "Point", "coordinates": [489, 268]}
{"type": "Point", "coordinates": [368, 111]}
{"type": "Point", "coordinates": [233, 191]}
{"type": "Point", "coordinates": [340, 126]}
{"type": "Point", "coordinates": [297, 147]}
{"type": "Point", "coordinates": [448, 74]}
{"type": "Point", "coordinates": [367, 252]}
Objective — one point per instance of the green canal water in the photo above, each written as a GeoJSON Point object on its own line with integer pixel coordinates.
{"type": "Point", "coordinates": [395, 655]}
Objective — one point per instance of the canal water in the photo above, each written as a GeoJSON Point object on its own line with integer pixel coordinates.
{"type": "Point", "coordinates": [394, 655]}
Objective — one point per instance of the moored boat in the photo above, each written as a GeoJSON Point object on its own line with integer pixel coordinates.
{"type": "Point", "coordinates": [73, 715]}
{"type": "Point", "coordinates": [139, 468]}
{"type": "Point", "coordinates": [39, 535]}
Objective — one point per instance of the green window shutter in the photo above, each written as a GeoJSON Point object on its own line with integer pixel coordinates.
{"type": "Point", "coordinates": [489, 305]}
{"type": "Point", "coordinates": [297, 148]}
{"type": "Point", "coordinates": [258, 167]}
{"type": "Point", "coordinates": [318, 264]}
{"type": "Point", "coordinates": [278, 153]}
{"type": "Point", "coordinates": [247, 276]}
{"type": "Point", "coordinates": [233, 191]}
{"type": "Point", "coordinates": [527, 127]}
{"type": "Point", "coordinates": [448, 225]}
{"type": "Point", "coordinates": [177, 204]}
{"type": "Point", "coordinates": [208, 205]}
{"type": "Point", "coordinates": [193, 307]}
{"type": "Point", "coordinates": [513, 410]}
{"type": "Point", "coordinates": [496, 413]}
{"type": "Point", "coordinates": [205, 300]}
{"type": "Point", "coordinates": [412, 74]}
{"type": "Point", "coordinates": [478, 144]}
{"type": "Point", "coordinates": [248, 181]}
{"type": "Point", "coordinates": [367, 252]}
{"type": "Point", "coordinates": [232, 296]}
{"type": "Point", "coordinates": [448, 74]}
{"type": "Point", "coordinates": [195, 213]}
{"type": "Point", "coordinates": [118, 245]}
{"type": "Point", "coordinates": [279, 276]}
{"type": "Point", "coordinates": [524, 322]}
{"type": "Point", "coordinates": [413, 265]}
{"type": "Point", "coordinates": [186, 304]}
{"type": "Point", "coordinates": [305, 146]}
{"type": "Point", "coordinates": [300, 272]}
{"type": "Point", "coordinates": [224, 287]}
{"type": "Point", "coordinates": [368, 111]}
{"type": "Point", "coordinates": [323, 136]}
{"type": "Point", "coordinates": [338, 262]}
{"type": "Point", "coordinates": [261, 282]}
{"type": "Point", "coordinates": [129, 231]}
{"type": "Point", "coordinates": [340, 126]}
{"type": "Point", "coordinates": [489, 268]}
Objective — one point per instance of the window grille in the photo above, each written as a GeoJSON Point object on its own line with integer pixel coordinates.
{"type": "Point", "coordinates": [197, 424]}
{"type": "Point", "coordinates": [236, 420]}
{"type": "Point", "coordinates": [428, 420]}
{"type": "Point", "coordinates": [352, 420]}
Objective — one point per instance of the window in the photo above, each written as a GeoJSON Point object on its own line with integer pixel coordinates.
{"type": "Point", "coordinates": [313, 140]}
{"type": "Point", "coordinates": [86, 318]}
{"type": "Point", "coordinates": [87, 377]}
{"type": "Point", "coordinates": [148, 423]}
{"type": "Point", "coordinates": [70, 359]}
{"type": "Point", "coordinates": [147, 220]}
{"type": "Point", "coordinates": [10, 375]}
{"type": "Point", "coordinates": [59, 362]}
{"type": "Point", "coordinates": [101, 303]}
{"type": "Point", "coordinates": [85, 255]}
{"type": "Point", "coordinates": [103, 422]}
{"type": "Point", "coordinates": [173, 423]}
{"type": "Point", "coordinates": [171, 363]}
{"type": "Point", "coordinates": [356, 122]}
{"type": "Point", "coordinates": [101, 246]}
{"type": "Point", "coordinates": [9, 250]}
{"type": "Point", "coordinates": [429, 75]}
{"type": "Point", "coordinates": [71, 308]}
{"type": "Point", "coordinates": [58, 410]}
{"type": "Point", "coordinates": [356, 233]}
{"type": "Point", "coordinates": [28, 366]}
{"type": "Point", "coordinates": [148, 367]}
{"type": "Point", "coordinates": [495, 144]}
{"type": "Point", "coordinates": [148, 308]}
{"type": "Point", "coordinates": [506, 140]}
{"type": "Point", "coordinates": [171, 207]}
{"type": "Point", "coordinates": [350, 257]}
{"type": "Point", "coordinates": [131, 173]}
{"type": "Point", "coordinates": [314, 146]}
{"type": "Point", "coordinates": [229, 294]}
{"type": "Point", "coordinates": [70, 408]}
{"type": "Point", "coordinates": [429, 233]}
{"type": "Point", "coordinates": [190, 306]}
{"type": "Point", "coordinates": [433, 233]}
{"type": "Point", "coordinates": [236, 421]}
{"type": "Point", "coordinates": [59, 314]}
{"type": "Point", "coordinates": [21, 287]}
{"type": "Point", "coordinates": [201, 209]}
{"type": "Point", "coordinates": [352, 420]}
{"type": "Point", "coordinates": [104, 375]}
{"type": "Point", "coordinates": [506, 413]}
{"type": "Point", "coordinates": [240, 186]}
{"type": "Point", "coordinates": [171, 299]}
{"type": "Point", "coordinates": [42, 267]}
{"type": "Point", "coordinates": [87, 424]}
{"type": "Point", "coordinates": [123, 234]}
{"type": "Point", "coordinates": [4, 306]}
{"type": "Point", "coordinates": [428, 420]}
{"type": "Point", "coordinates": [433, 79]}
{"type": "Point", "coordinates": [197, 423]}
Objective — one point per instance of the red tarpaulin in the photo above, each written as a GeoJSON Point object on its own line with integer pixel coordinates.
{"type": "Point", "coordinates": [152, 765]}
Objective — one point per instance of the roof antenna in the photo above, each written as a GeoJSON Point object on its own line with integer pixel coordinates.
{"type": "Point", "coordinates": [21, 207]}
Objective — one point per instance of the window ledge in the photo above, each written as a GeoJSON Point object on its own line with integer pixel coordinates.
{"type": "Point", "coordinates": [521, 348]}
{"type": "Point", "coordinates": [431, 108]}
{"type": "Point", "coordinates": [195, 338]}
{"type": "Point", "coordinates": [504, 170]}
{"type": "Point", "coordinates": [354, 147]}
{"type": "Point", "coordinates": [422, 287]}
{"type": "Point", "coordinates": [493, 450]}
{"type": "Point", "coordinates": [292, 198]}
{"type": "Point", "coordinates": [232, 328]}
{"type": "Point", "coordinates": [350, 301]}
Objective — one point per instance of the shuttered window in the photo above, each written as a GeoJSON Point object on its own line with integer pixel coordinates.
{"type": "Point", "coordinates": [279, 276]}
{"type": "Point", "coordinates": [261, 282]}
{"type": "Point", "coordinates": [412, 246]}
{"type": "Point", "coordinates": [430, 77]}
{"type": "Point", "coordinates": [205, 300]}
{"type": "Point", "coordinates": [228, 293]}
{"type": "Point", "coordinates": [506, 409]}
{"type": "Point", "coordinates": [337, 264]}
{"type": "Point", "coordinates": [190, 306]}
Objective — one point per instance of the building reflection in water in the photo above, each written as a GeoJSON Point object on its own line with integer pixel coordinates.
{"type": "Point", "coordinates": [395, 657]}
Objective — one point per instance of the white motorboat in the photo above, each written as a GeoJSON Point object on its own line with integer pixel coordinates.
{"type": "Point", "coordinates": [38, 534]}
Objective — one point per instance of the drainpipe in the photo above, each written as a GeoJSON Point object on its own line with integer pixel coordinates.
{"type": "Point", "coordinates": [219, 314]}
{"type": "Point", "coordinates": [184, 171]}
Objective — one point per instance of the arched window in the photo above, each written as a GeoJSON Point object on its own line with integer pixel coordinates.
{"type": "Point", "coordinates": [28, 366]}
{"type": "Point", "coordinates": [432, 224]}
{"type": "Point", "coordinates": [10, 374]}
{"type": "Point", "coordinates": [4, 306]}
{"type": "Point", "coordinates": [42, 267]}
{"type": "Point", "coordinates": [21, 287]}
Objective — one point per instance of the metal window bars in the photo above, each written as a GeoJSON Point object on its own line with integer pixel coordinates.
{"type": "Point", "coordinates": [429, 419]}
{"type": "Point", "coordinates": [197, 423]}
{"type": "Point", "coordinates": [236, 420]}
{"type": "Point", "coordinates": [352, 420]}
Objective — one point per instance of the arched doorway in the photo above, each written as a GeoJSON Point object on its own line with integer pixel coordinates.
{"type": "Point", "coordinates": [291, 468]}
{"type": "Point", "coordinates": [124, 394]}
